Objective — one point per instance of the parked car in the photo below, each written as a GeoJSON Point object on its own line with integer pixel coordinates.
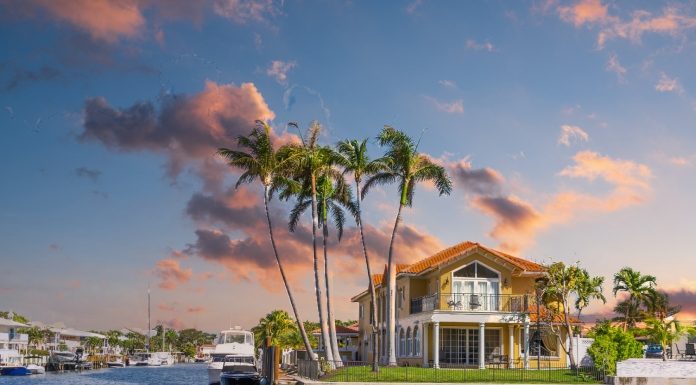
{"type": "Point", "coordinates": [653, 351]}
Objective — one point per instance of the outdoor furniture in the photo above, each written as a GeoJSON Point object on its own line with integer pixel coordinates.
{"type": "Point", "coordinates": [474, 301]}
{"type": "Point", "coordinates": [690, 351]}
{"type": "Point", "coordinates": [498, 360]}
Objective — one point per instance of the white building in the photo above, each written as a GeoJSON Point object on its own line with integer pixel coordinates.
{"type": "Point", "coordinates": [10, 338]}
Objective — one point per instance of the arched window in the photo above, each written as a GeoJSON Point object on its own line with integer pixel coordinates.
{"type": "Point", "coordinates": [408, 350]}
{"type": "Point", "coordinates": [416, 342]}
{"type": "Point", "coordinates": [383, 342]}
{"type": "Point", "coordinates": [402, 341]}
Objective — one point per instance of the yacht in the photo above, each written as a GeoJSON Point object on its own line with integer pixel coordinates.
{"type": "Point", "coordinates": [11, 364]}
{"type": "Point", "coordinates": [232, 346]}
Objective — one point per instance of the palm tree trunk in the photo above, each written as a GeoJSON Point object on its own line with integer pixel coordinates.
{"type": "Point", "coordinates": [569, 332]}
{"type": "Point", "coordinates": [373, 295]}
{"type": "Point", "coordinates": [317, 284]}
{"type": "Point", "coordinates": [300, 325]}
{"type": "Point", "coordinates": [391, 294]}
{"type": "Point", "coordinates": [329, 305]}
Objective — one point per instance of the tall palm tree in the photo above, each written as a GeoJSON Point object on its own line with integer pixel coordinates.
{"type": "Point", "coordinates": [263, 163]}
{"type": "Point", "coordinates": [638, 287]}
{"type": "Point", "coordinates": [586, 289]}
{"type": "Point", "coordinates": [407, 167]}
{"type": "Point", "coordinates": [309, 160]}
{"type": "Point", "coordinates": [333, 196]}
{"type": "Point", "coordinates": [277, 325]}
{"type": "Point", "coordinates": [353, 157]}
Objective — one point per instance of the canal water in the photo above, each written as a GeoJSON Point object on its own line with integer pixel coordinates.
{"type": "Point", "coordinates": [179, 374]}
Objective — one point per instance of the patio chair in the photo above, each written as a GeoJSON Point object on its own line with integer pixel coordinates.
{"type": "Point", "coordinates": [690, 351]}
{"type": "Point", "coordinates": [474, 301]}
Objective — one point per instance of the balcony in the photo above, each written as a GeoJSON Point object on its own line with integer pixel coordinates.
{"type": "Point", "coordinates": [14, 338]}
{"type": "Point", "coordinates": [469, 302]}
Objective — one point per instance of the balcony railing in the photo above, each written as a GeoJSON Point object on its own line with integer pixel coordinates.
{"type": "Point", "coordinates": [15, 338]}
{"type": "Point", "coordinates": [470, 302]}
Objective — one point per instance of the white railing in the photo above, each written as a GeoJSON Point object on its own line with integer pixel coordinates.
{"type": "Point", "coordinates": [14, 338]}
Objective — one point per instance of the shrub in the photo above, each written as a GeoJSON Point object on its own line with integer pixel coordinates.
{"type": "Point", "coordinates": [612, 344]}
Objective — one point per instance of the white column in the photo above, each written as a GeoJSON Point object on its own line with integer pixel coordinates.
{"type": "Point", "coordinates": [482, 345]}
{"type": "Point", "coordinates": [436, 345]}
{"type": "Point", "coordinates": [526, 343]}
{"type": "Point", "coordinates": [424, 343]}
{"type": "Point", "coordinates": [511, 345]}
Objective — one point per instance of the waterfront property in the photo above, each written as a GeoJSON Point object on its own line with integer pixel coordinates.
{"type": "Point", "coordinates": [10, 338]}
{"type": "Point", "coordinates": [348, 342]}
{"type": "Point", "coordinates": [465, 306]}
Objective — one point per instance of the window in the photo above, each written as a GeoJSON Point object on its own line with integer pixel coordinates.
{"type": "Point", "coordinates": [476, 270]}
{"type": "Point", "coordinates": [360, 311]}
{"type": "Point", "coordinates": [475, 287]}
{"type": "Point", "coordinates": [548, 342]}
{"type": "Point", "coordinates": [371, 313]}
{"type": "Point", "coordinates": [402, 342]}
{"type": "Point", "coordinates": [407, 351]}
{"type": "Point", "coordinates": [416, 342]}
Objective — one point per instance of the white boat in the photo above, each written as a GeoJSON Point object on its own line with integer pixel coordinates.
{"type": "Point", "coordinates": [117, 363]}
{"type": "Point", "coordinates": [36, 369]}
{"type": "Point", "coordinates": [231, 346]}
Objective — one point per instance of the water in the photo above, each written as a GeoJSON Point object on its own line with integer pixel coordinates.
{"type": "Point", "coordinates": [179, 374]}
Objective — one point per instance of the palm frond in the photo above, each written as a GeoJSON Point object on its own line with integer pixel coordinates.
{"type": "Point", "coordinates": [296, 212]}
{"type": "Point", "coordinates": [379, 179]}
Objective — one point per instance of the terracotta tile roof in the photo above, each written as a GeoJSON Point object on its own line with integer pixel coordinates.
{"type": "Point", "coordinates": [340, 329]}
{"type": "Point", "coordinates": [450, 253]}
{"type": "Point", "coordinates": [377, 279]}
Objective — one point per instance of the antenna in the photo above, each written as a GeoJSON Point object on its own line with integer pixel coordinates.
{"type": "Point", "coordinates": [421, 137]}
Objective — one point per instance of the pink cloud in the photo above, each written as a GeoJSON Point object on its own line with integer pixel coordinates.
{"type": "Point", "coordinates": [453, 107]}
{"type": "Point", "coordinates": [171, 274]}
{"type": "Point", "coordinates": [242, 11]}
{"type": "Point", "coordinates": [279, 70]}
{"type": "Point", "coordinates": [195, 310]}
{"type": "Point", "coordinates": [584, 11]}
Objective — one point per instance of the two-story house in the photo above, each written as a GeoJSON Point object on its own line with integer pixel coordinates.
{"type": "Point", "coordinates": [10, 338]}
{"type": "Point", "coordinates": [467, 305]}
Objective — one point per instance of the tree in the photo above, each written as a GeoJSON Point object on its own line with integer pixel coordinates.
{"type": "Point", "coordinates": [558, 287]}
{"type": "Point", "coordinates": [333, 196]}
{"type": "Point", "coordinates": [664, 331]}
{"type": "Point", "coordinates": [276, 325]}
{"type": "Point", "coordinates": [93, 343]}
{"type": "Point", "coordinates": [34, 334]}
{"type": "Point", "coordinates": [638, 287]}
{"type": "Point", "coordinates": [353, 157]}
{"type": "Point", "coordinates": [612, 344]}
{"type": "Point", "coordinates": [406, 167]}
{"type": "Point", "coordinates": [309, 160]}
{"type": "Point", "coordinates": [264, 164]}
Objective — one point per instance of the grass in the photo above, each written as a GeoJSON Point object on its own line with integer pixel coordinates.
{"type": "Point", "coordinates": [415, 374]}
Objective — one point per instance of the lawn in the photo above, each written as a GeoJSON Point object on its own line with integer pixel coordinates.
{"type": "Point", "coordinates": [415, 374]}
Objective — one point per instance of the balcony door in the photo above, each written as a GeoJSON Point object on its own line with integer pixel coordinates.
{"type": "Point", "coordinates": [475, 287]}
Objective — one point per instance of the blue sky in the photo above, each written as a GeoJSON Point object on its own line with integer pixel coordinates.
{"type": "Point", "coordinates": [567, 127]}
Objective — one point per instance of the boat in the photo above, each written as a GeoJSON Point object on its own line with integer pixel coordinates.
{"type": "Point", "coordinates": [36, 369]}
{"type": "Point", "coordinates": [62, 360]}
{"type": "Point", "coordinates": [233, 346]}
{"type": "Point", "coordinates": [143, 359]}
{"type": "Point", "coordinates": [11, 363]}
{"type": "Point", "coordinates": [238, 371]}
{"type": "Point", "coordinates": [117, 363]}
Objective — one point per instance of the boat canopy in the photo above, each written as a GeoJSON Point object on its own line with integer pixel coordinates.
{"type": "Point", "coordinates": [236, 336]}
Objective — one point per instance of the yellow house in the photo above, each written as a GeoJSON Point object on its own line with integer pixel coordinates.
{"type": "Point", "coordinates": [467, 305]}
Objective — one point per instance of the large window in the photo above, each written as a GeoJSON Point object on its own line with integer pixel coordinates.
{"type": "Point", "coordinates": [548, 343]}
{"type": "Point", "coordinates": [408, 350]}
{"type": "Point", "coordinates": [402, 343]}
{"type": "Point", "coordinates": [416, 341]}
{"type": "Point", "coordinates": [475, 287]}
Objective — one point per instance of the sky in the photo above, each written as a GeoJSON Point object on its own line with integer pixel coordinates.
{"type": "Point", "coordinates": [566, 126]}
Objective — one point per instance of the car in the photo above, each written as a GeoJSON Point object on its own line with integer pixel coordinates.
{"type": "Point", "coordinates": [653, 351]}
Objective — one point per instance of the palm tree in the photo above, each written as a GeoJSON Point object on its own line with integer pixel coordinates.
{"type": "Point", "coordinates": [665, 331]}
{"type": "Point", "coordinates": [333, 195]}
{"type": "Point", "coordinates": [353, 157]}
{"type": "Point", "coordinates": [639, 287]}
{"type": "Point", "coordinates": [276, 325]}
{"type": "Point", "coordinates": [263, 163]}
{"type": "Point", "coordinates": [309, 159]}
{"type": "Point", "coordinates": [407, 167]}
{"type": "Point", "coordinates": [586, 289]}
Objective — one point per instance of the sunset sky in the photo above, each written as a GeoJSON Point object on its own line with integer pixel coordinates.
{"type": "Point", "coordinates": [568, 128]}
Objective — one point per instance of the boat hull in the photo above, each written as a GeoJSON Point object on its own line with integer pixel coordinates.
{"type": "Point", "coordinates": [214, 376]}
{"type": "Point", "coordinates": [15, 371]}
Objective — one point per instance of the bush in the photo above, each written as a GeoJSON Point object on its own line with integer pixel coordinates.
{"type": "Point", "coordinates": [38, 352]}
{"type": "Point", "coordinates": [612, 344]}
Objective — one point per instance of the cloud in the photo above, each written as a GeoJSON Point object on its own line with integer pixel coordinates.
{"type": "Point", "coordinates": [483, 46]}
{"type": "Point", "coordinates": [682, 161]}
{"type": "Point", "coordinates": [518, 221]}
{"type": "Point", "coordinates": [413, 6]}
{"type": "Point", "coordinates": [447, 83]}
{"type": "Point", "coordinates": [106, 21]}
{"type": "Point", "coordinates": [667, 84]}
{"type": "Point", "coordinates": [454, 107]}
{"type": "Point", "coordinates": [279, 70]}
{"type": "Point", "coordinates": [243, 11]}
{"type": "Point", "coordinates": [171, 274]}
{"type": "Point", "coordinates": [195, 310]}
{"type": "Point", "coordinates": [24, 76]}
{"type": "Point", "coordinates": [571, 133]}
{"type": "Point", "coordinates": [55, 247]}
{"type": "Point", "coordinates": [684, 297]}
{"type": "Point", "coordinates": [186, 129]}
{"type": "Point", "coordinates": [91, 174]}
{"type": "Point", "coordinates": [584, 11]}
{"type": "Point", "coordinates": [614, 66]}
{"type": "Point", "coordinates": [166, 306]}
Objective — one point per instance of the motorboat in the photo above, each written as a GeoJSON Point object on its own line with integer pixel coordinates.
{"type": "Point", "coordinates": [143, 359]}
{"type": "Point", "coordinates": [58, 360]}
{"type": "Point", "coordinates": [237, 371]}
{"type": "Point", "coordinates": [11, 363]}
{"type": "Point", "coordinates": [231, 346]}
{"type": "Point", "coordinates": [36, 369]}
{"type": "Point", "coordinates": [117, 363]}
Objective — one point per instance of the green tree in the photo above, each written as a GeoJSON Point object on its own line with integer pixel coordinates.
{"type": "Point", "coordinates": [34, 334]}
{"type": "Point", "coordinates": [406, 167]}
{"type": "Point", "coordinates": [263, 163]}
{"type": "Point", "coordinates": [638, 287]}
{"type": "Point", "coordinates": [611, 345]}
{"type": "Point", "coordinates": [93, 344]}
{"type": "Point", "coordinates": [664, 331]}
{"type": "Point", "coordinates": [309, 161]}
{"type": "Point", "coordinates": [333, 196]}
{"type": "Point", "coordinates": [353, 157]}
{"type": "Point", "coordinates": [277, 325]}
{"type": "Point", "coordinates": [561, 283]}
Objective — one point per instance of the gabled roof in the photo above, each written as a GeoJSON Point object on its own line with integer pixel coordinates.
{"type": "Point", "coordinates": [450, 254]}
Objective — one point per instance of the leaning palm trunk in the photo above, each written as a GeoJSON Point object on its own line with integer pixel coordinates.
{"type": "Point", "coordinates": [300, 325]}
{"type": "Point", "coordinates": [329, 306]}
{"type": "Point", "coordinates": [317, 285]}
{"type": "Point", "coordinates": [373, 295]}
{"type": "Point", "coordinates": [391, 294]}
